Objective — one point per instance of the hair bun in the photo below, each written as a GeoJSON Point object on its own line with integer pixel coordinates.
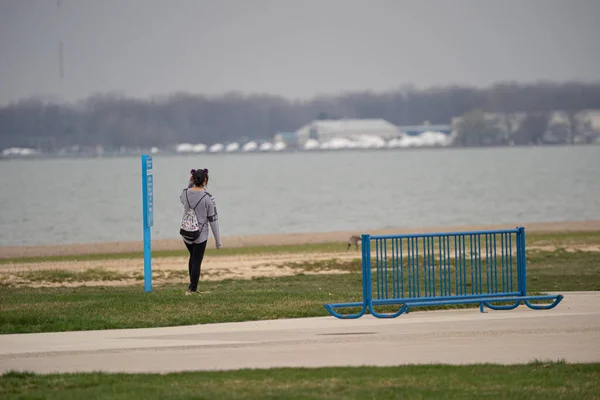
{"type": "Point", "coordinates": [200, 176]}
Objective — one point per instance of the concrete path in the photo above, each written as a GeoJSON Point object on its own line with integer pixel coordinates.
{"type": "Point", "coordinates": [571, 332]}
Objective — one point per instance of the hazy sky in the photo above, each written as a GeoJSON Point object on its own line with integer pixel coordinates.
{"type": "Point", "coordinates": [295, 48]}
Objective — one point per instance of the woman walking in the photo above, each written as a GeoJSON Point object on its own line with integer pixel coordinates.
{"type": "Point", "coordinates": [198, 203]}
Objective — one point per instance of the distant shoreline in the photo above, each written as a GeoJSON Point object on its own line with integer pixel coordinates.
{"type": "Point", "coordinates": [46, 156]}
{"type": "Point", "coordinates": [275, 239]}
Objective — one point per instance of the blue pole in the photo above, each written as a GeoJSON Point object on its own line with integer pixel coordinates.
{"type": "Point", "coordinates": [148, 218]}
{"type": "Point", "coordinates": [524, 263]}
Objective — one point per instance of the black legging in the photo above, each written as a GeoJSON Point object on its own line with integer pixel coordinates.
{"type": "Point", "coordinates": [196, 255]}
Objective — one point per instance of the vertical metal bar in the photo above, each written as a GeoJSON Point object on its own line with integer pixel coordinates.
{"type": "Point", "coordinates": [464, 259]}
{"type": "Point", "coordinates": [481, 261]}
{"type": "Point", "coordinates": [432, 260]}
{"type": "Point", "coordinates": [506, 288]}
{"type": "Point", "coordinates": [381, 272]}
{"type": "Point", "coordinates": [414, 267]}
{"type": "Point", "coordinates": [524, 267]}
{"type": "Point", "coordinates": [502, 262]}
{"type": "Point", "coordinates": [386, 269]}
{"type": "Point", "coordinates": [398, 269]}
{"type": "Point", "coordinates": [393, 268]}
{"type": "Point", "coordinates": [461, 251]}
{"type": "Point", "coordinates": [408, 266]}
{"type": "Point", "coordinates": [429, 270]}
{"type": "Point", "coordinates": [378, 267]}
{"type": "Point", "coordinates": [363, 249]}
{"type": "Point", "coordinates": [511, 262]}
{"type": "Point", "coordinates": [471, 264]}
{"type": "Point", "coordinates": [464, 264]}
{"type": "Point", "coordinates": [368, 288]}
{"type": "Point", "coordinates": [449, 269]}
{"type": "Point", "coordinates": [425, 280]}
{"type": "Point", "coordinates": [432, 244]}
{"type": "Point", "coordinates": [479, 265]}
{"type": "Point", "coordinates": [487, 263]}
{"type": "Point", "coordinates": [491, 264]}
{"type": "Point", "coordinates": [429, 265]}
{"type": "Point", "coordinates": [382, 267]}
{"type": "Point", "coordinates": [414, 271]}
{"type": "Point", "coordinates": [442, 244]}
{"type": "Point", "coordinates": [458, 270]}
{"type": "Point", "coordinates": [397, 283]}
{"type": "Point", "coordinates": [418, 282]}
{"type": "Point", "coordinates": [401, 268]}
{"type": "Point", "coordinates": [456, 265]}
{"type": "Point", "coordinates": [441, 263]}
{"type": "Point", "coordinates": [495, 267]}
{"type": "Point", "coordinates": [520, 261]}
{"type": "Point", "coordinates": [476, 264]}
{"type": "Point", "coordinates": [507, 265]}
{"type": "Point", "coordinates": [429, 255]}
{"type": "Point", "coordinates": [492, 259]}
{"type": "Point", "coordinates": [502, 244]}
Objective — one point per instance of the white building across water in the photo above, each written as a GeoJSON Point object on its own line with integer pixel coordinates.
{"type": "Point", "coordinates": [349, 129]}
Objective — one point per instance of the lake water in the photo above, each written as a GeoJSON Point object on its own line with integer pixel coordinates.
{"type": "Point", "coordinates": [48, 201]}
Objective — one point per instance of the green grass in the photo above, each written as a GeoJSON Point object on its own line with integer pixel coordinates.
{"type": "Point", "coordinates": [563, 239]}
{"type": "Point", "coordinates": [83, 308]}
{"type": "Point", "coordinates": [61, 275]}
{"type": "Point", "coordinates": [88, 275]}
{"type": "Point", "coordinates": [533, 381]}
{"type": "Point", "coordinates": [561, 270]}
{"type": "Point", "coordinates": [25, 309]}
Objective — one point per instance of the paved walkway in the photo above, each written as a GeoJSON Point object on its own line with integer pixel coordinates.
{"type": "Point", "coordinates": [571, 332]}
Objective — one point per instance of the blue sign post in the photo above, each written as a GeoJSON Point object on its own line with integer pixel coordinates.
{"type": "Point", "coordinates": [148, 212]}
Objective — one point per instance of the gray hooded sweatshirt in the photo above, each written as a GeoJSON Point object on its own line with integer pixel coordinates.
{"type": "Point", "coordinates": [206, 212]}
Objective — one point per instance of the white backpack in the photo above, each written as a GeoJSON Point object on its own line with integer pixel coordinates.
{"type": "Point", "coordinates": [190, 228]}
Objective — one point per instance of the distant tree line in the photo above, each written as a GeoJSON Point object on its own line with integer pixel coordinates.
{"type": "Point", "coordinates": [112, 120]}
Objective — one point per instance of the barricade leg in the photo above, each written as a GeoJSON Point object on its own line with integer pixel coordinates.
{"type": "Point", "coordinates": [557, 300]}
{"type": "Point", "coordinates": [331, 309]}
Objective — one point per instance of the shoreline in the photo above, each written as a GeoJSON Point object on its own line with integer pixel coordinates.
{"type": "Point", "coordinates": [274, 239]}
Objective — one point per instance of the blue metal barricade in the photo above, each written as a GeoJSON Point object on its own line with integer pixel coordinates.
{"type": "Point", "coordinates": [481, 267]}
